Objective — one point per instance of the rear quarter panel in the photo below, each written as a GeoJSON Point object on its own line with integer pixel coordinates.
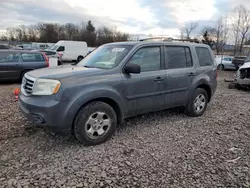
{"type": "Point", "coordinates": [205, 75]}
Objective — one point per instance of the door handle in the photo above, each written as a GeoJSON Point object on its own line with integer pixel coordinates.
{"type": "Point", "coordinates": [191, 74]}
{"type": "Point", "coordinates": [158, 79]}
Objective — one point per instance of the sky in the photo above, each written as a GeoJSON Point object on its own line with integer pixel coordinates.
{"type": "Point", "coordinates": [156, 17]}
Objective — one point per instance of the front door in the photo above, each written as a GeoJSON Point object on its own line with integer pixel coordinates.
{"type": "Point", "coordinates": [179, 75]}
{"type": "Point", "coordinates": [10, 65]}
{"type": "Point", "coordinates": [144, 92]}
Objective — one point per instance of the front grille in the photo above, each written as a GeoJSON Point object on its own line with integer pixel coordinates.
{"type": "Point", "coordinates": [27, 84]}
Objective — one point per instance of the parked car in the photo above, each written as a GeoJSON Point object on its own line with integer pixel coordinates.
{"type": "Point", "coordinates": [52, 54]}
{"type": "Point", "coordinates": [117, 81]}
{"type": "Point", "coordinates": [9, 47]}
{"type": "Point", "coordinates": [239, 61]}
{"type": "Point", "coordinates": [225, 63]}
{"type": "Point", "coordinates": [247, 60]}
{"type": "Point", "coordinates": [70, 50]}
{"type": "Point", "coordinates": [15, 63]}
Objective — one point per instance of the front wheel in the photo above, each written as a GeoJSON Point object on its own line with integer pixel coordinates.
{"type": "Point", "coordinates": [95, 123]}
{"type": "Point", "coordinates": [198, 103]}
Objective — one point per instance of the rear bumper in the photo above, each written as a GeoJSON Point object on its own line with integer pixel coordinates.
{"type": "Point", "coordinates": [44, 111]}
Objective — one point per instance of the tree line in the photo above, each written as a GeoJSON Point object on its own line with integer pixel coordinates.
{"type": "Point", "coordinates": [234, 29]}
{"type": "Point", "coordinates": [53, 32]}
{"type": "Point", "coordinates": [220, 32]}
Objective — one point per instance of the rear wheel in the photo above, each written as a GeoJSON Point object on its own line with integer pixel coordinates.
{"type": "Point", "coordinates": [198, 103]}
{"type": "Point", "coordinates": [221, 67]}
{"type": "Point", "coordinates": [95, 123]}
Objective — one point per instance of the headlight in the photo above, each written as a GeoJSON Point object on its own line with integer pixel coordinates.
{"type": "Point", "coordinates": [238, 73]}
{"type": "Point", "coordinates": [46, 87]}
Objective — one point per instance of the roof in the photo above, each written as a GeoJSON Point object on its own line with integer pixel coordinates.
{"type": "Point", "coordinates": [25, 51]}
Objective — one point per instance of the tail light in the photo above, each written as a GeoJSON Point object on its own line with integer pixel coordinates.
{"type": "Point", "coordinates": [46, 59]}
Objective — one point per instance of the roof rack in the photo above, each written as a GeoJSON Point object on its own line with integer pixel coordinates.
{"type": "Point", "coordinates": [169, 39]}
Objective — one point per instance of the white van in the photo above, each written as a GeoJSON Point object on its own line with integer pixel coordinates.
{"type": "Point", "coordinates": [71, 50]}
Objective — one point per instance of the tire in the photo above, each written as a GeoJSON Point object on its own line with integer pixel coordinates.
{"type": "Point", "coordinates": [88, 130]}
{"type": "Point", "coordinates": [221, 67]}
{"type": "Point", "coordinates": [191, 110]}
{"type": "Point", "coordinates": [59, 63]}
{"type": "Point", "coordinates": [79, 59]}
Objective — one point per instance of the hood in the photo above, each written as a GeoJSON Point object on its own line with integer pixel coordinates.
{"type": "Point", "coordinates": [62, 71]}
{"type": "Point", "coordinates": [245, 65]}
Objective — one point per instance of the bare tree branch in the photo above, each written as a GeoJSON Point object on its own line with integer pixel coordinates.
{"type": "Point", "coordinates": [241, 27]}
{"type": "Point", "coordinates": [188, 29]}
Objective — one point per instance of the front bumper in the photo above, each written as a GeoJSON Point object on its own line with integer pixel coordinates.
{"type": "Point", "coordinates": [44, 111]}
{"type": "Point", "coordinates": [243, 82]}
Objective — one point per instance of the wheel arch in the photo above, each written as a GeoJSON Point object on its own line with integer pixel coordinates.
{"type": "Point", "coordinates": [207, 88]}
{"type": "Point", "coordinates": [107, 100]}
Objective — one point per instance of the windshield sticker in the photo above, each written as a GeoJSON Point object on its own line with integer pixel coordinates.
{"type": "Point", "coordinates": [118, 49]}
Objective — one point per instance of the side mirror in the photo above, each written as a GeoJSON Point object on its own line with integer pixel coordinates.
{"type": "Point", "coordinates": [133, 68]}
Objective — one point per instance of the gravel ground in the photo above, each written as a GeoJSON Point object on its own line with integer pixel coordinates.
{"type": "Point", "coordinates": [164, 149]}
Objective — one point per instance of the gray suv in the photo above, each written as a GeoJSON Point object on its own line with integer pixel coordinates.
{"type": "Point", "coordinates": [117, 81]}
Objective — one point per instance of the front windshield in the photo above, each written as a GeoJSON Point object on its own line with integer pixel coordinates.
{"type": "Point", "coordinates": [106, 57]}
{"type": "Point", "coordinates": [53, 48]}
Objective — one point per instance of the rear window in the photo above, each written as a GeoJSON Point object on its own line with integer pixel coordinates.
{"type": "Point", "coordinates": [32, 57]}
{"type": "Point", "coordinates": [204, 56]}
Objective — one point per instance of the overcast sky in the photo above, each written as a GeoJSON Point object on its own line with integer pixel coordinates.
{"type": "Point", "coordinates": [133, 16]}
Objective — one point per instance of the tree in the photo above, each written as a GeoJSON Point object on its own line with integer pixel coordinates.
{"type": "Point", "coordinates": [207, 32]}
{"type": "Point", "coordinates": [90, 34]}
{"type": "Point", "coordinates": [53, 32]}
{"type": "Point", "coordinates": [241, 26]}
{"type": "Point", "coordinates": [188, 29]}
{"type": "Point", "coordinates": [221, 34]}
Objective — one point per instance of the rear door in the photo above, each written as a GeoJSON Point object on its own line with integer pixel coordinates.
{"type": "Point", "coordinates": [32, 60]}
{"type": "Point", "coordinates": [179, 74]}
{"type": "Point", "coordinates": [10, 65]}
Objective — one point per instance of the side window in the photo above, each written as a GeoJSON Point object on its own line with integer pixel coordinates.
{"type": "Point", "coordinates": [32, 57]}
{"type": "Point", "coordinates": [204, 56]}
{"type": "Point", "coordinates": [4, 47]}
{"type": "Point", "coordinates": [61, 49]}
{"type": "Point", "coordinates": [9, 57]}
{"type": "Point", "coordinates": [149, 58]}
{"type": "Point", "coordinates": [178, 57]}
